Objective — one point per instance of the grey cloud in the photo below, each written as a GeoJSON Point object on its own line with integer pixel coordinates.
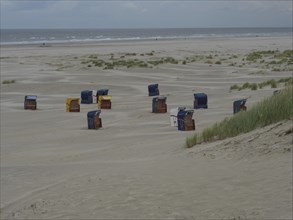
{"type": "Point", "coordinates": [132, 14]}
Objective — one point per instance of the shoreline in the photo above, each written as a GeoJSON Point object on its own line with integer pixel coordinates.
{"type": "Point", "coordinates": [129, 41]}
{"type": "Point", "coordinates": [196, 45]}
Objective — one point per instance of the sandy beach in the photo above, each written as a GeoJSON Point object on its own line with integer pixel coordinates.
{"type": "Point", "coordinates": [137, 166]}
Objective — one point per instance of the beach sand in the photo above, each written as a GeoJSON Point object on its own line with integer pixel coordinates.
{"type": "Point", "coordinates": [137, 166]}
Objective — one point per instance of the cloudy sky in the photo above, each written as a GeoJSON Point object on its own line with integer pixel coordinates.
{"type": "Point", "coordinates": [145, 14]}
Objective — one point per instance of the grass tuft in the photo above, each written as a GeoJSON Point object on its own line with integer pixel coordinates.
{"type": "Point", "coordinates": [234, 87]}
{"type": "Point", "coordinates": [253, 86]}
{"type": "Point", "coordinates": [8, 81]}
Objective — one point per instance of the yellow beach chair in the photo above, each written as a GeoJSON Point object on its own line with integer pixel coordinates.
{"type": "Point", "coordinates": [104, 102]}
{"type": "Point", "coordinates": [72, 105]}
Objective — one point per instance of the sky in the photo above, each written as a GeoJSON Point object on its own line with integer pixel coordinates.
{"type": "Point", "coordinates": [145, 14]}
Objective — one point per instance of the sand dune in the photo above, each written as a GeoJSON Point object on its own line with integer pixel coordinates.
{"type": "Point", "coordinates": [136, 165]}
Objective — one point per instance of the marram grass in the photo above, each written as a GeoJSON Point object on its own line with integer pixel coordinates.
{"type": "Point", "coordinates": [271, 110]}
{"type": "Point", "coordinates": [8, 81]}
{"type": "Point", "coordinates": [253, 86]}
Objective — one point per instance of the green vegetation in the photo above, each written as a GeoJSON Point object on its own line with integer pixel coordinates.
{"type": "Point", "coordinates": [275, 69]}
{"type": "Point", "coordinates": [115, 63]}
{"type": "Point", "coordinates": [272, 83]}
{"type": "Point", "coordinates": [164, 60]}
{"type": "Point", "coordinates": [253, 86]}
{"type": "Point", "coordinates": [285, 54]}
{"type": "Point", "coordinates": [234, 87]}
{"type": "Point", "coordinates": [110, 63]}
{"type": "Point", "coordinates": [150, 54]}
{"type": "Point", "coordinates": [259, 72]}
{"type": "Point", "coordinates": [260, 54]}
{"type": "Point", "coordinates": [287, 81]}
{"type": "Point", "coordinates": [272, 59]}
{"type": "Point", "coordinates": [130, 54]}
{"type": "Point", "coordinates": [209, 62]}
{"type": "Point", "coordinates": [155, 62]}
{"type": "Point", "coordinates": [268, 59]}
{"type": "Point", "coordinates": [123, 63]}
{"type": "Point", "coordinates": [8, 81]}
{"type": "Point", "coordinates": [5, 58]}
{"type": "Point", "coordinates": [170, 60]}
{"type": "Point", "coordinates": [93, 56]}
{"type": "Point", "coordinates": [253, 56]}
{"type": "Point", "coordinates": [276, 108]}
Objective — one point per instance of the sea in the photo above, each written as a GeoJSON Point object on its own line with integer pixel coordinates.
{"type": "Point", "coordinates": [51, 36]}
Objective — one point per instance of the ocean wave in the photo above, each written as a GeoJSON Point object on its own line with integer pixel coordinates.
{"type": "Point", "coordinates": [54, 39]}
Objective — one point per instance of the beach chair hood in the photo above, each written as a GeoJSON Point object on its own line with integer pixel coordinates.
{"type": "Point", "coordinates": [92, 114]}
{"type": "Point", "coordinates": [102, 92]}
{"type": "Point", "coordinates": [31, 97]}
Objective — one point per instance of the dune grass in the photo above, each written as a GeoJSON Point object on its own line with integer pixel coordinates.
{"type": "Point", "coordinates": [274, 60]}
{"type": "Point", "coordinates": [276, 108]}
{"type": "Point", "coordinates": [8, 81]}
{"type": "Point", "coordinates": [253, 86]}
{"type": "Point", "coordinates": [93, 60]}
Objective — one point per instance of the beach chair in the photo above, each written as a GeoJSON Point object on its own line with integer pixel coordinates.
{"type": "Point", "coordinates": [101, 92]}
{"type": "Point", "coordinates": [153, 90]}
{"type": "Point", "coordinates": [239, 105]}
{"type": "Point", "coordinates": [93, 119]}
{"type": "Point", "coordinates": [72, 105]}
{"type": "Point", "coordinates": [104, 102]}
{"type": "Point", "coordinates": [159, 104]}
{"type": "Point", "coordinates": [185, 121]}
{"type": "Point", "coordinates": [30, 102]}
{"type": "Point", "coordinates": [200, 100]}
{"type": "Point", "coordinates": [86, 97]}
